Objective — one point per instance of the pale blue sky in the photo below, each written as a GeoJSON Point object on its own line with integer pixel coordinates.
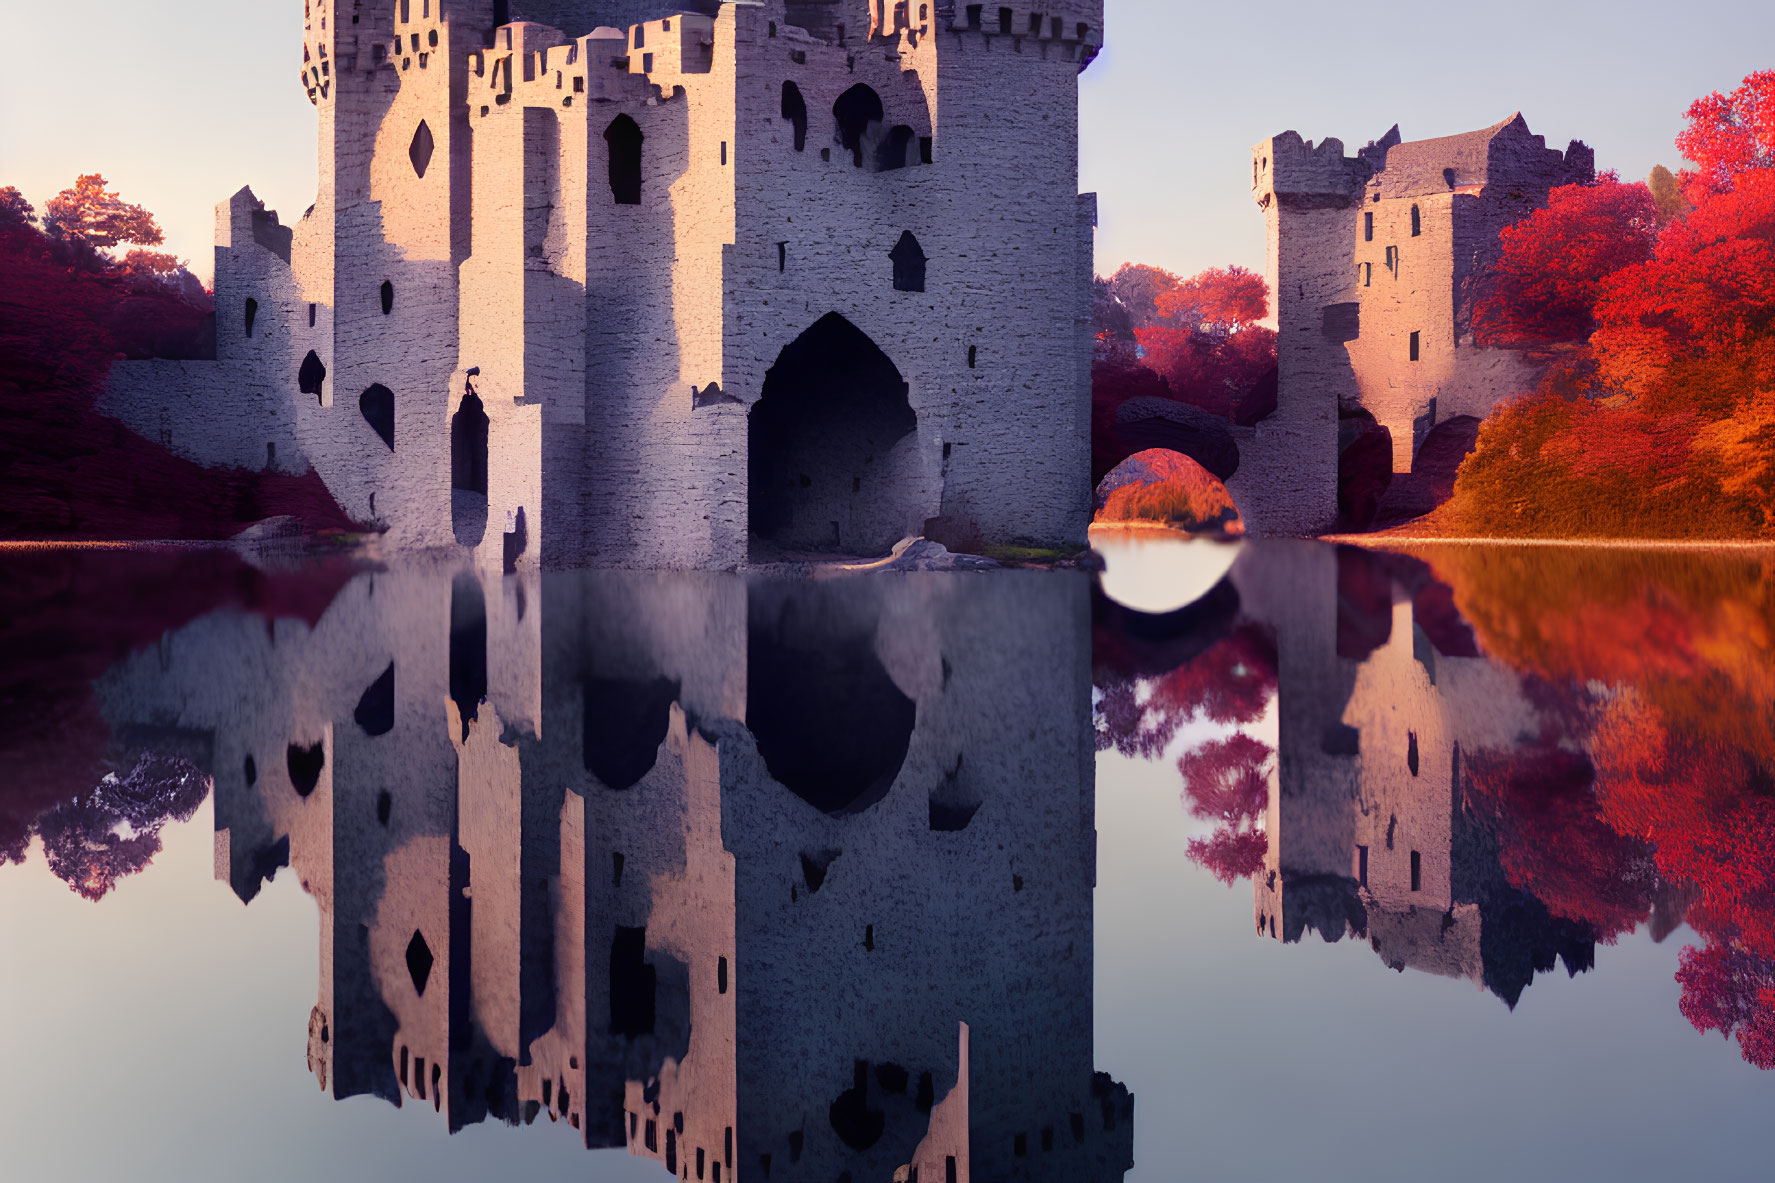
{"type": "Point", "coordinates": [180, 105]}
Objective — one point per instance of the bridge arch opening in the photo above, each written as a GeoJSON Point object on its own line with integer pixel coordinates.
{"type": "Point", "coordinates": [1163, 488]}
{"type": "Point", "coordinates": [831, 464]}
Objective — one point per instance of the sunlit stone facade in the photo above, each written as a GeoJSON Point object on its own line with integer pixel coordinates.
{"type": "Point", "coordinates": [619, 283]}
{"type": "Point", "coordinates": [1375, 262]}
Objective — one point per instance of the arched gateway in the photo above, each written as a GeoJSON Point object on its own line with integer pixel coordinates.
{"type": "Point", "coordinates": [831, 466]}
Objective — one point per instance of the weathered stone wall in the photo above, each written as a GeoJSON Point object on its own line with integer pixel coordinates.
{"type": "Point", "coordinates": [1415, 241]}
{"type": "Point", "coordinates": [1286, 483]}
{"type": "Point", "coordinates": [468, 239]}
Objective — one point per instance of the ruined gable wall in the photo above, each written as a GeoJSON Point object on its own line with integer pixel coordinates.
{"type": "Point", "coordinates": [234, 412]}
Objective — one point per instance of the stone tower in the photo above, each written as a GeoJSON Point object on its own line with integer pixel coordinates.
{"type": "Point", "coordinates": [668, 284]}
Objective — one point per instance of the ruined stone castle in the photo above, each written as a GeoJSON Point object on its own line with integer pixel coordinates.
{"type": "Point", "coordinates": [1374, 260]}
{"type": "Point", "coordinates": [610, 281]}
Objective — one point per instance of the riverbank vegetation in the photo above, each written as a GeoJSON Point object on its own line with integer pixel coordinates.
{"type": "Point", "coordinates": [1653, 306]}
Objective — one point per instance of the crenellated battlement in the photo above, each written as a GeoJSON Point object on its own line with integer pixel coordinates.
{"type": "Point", "coordinates": [536, 66]}
{"type": "Point", "coordinates": [1289, 166]}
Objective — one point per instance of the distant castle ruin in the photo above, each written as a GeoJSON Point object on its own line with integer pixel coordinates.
{"type": "Point", "coordinates": [609, 281]}
{"type": "Point", "coordinates": [1375, 261]}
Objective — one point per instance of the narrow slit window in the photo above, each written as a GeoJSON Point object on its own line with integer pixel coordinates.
{"type": "Point", "coordinates": [782, 256]}
{"type": "Point", "coordinates": [1417, 221]}
{"type": "Point", "coordinates": [624, 139]}
{"type": "Point", "coordinates": [1416, 346]}
{"type": "Point", "coordinates": [387, 297]}
{"type": "Point", "coordinates": [1362, 865]}
{"type": "Point", "coordinates": [795, 111]}
{"type": "Point", "coordinates": [251, 314]}
{"type": "Point", "coordinates": [1393, 259]}
{"type": "Point", "coordinates": [313, 309]}
{"type": "Point", "coordinates": [1368, 227]}
{"type": "Point", "coordinates": [1417, 871]}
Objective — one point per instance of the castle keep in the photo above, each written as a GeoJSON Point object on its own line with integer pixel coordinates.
{"type": "Point", "coordinates": [607, 281]}
{"type": "Point", "coordinates": [1374, 261]}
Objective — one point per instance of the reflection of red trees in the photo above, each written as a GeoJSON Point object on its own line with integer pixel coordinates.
{"type": "Point", "coordinates": [1661, 422]}
{"type": "Point", "coordinates": [1682, 748]}
{"type": "Point", "coordinates": [114, 830]}
{"type": "Point", "coordinates": [1732, 992]}
{"type": "Point", "coordinates": [1228, 782]}
{"type": "Point", "coordinates": [1230, 683]}
{"type": "Point", "coordinates": [1541, 805]}
{"type": "Point", "coordinates": [1709, 812]}
{"type": "Point", "coordinates": [68, 616]}
{"type": "Point", "coordinates": [1225, 781]}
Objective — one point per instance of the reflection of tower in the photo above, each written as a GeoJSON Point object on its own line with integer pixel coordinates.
{"type": "Point", "coordinates": [776, 881]}
{"type": "Point", "coordinates": [1370, 831]}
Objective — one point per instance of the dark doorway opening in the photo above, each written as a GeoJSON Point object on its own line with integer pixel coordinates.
{"type": "Point", "coordinates": [468, 470]}
{"type": "Point", "coordinates": [855, 110]}
{"type": "Point", "coordinates": [824, 472]}
{"type": "Point", "coordinates": [895, 147]}
{"type": "Point", "coordinates": [909, 264]}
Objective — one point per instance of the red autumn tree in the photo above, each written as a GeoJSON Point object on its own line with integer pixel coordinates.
{"type": "Point", "coordinates": [67, 311]}
{"type": "Point", "coordinates": [1545, 285]}
{"type": "Point", "coordinates": [1729, 135]}
{"type": "Point", "coordinates": [98, 216]}
{"type": "Point", "coordinates": [1220, 301]}
{"type": "Point", "coordinates": [1204, 341]}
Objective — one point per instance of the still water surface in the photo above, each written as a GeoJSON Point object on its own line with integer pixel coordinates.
{"type": "Point", "coordinates": [1287, 862]}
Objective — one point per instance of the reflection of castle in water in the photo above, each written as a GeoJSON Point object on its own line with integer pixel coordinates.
{"type": "Point", "coordinates": [849, 937]}
{"type": "Point", "coordinates": [1381, 691]}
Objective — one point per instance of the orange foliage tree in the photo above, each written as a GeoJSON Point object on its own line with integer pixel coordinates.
{"type": "Point", "coordinates": [1661, 422]}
